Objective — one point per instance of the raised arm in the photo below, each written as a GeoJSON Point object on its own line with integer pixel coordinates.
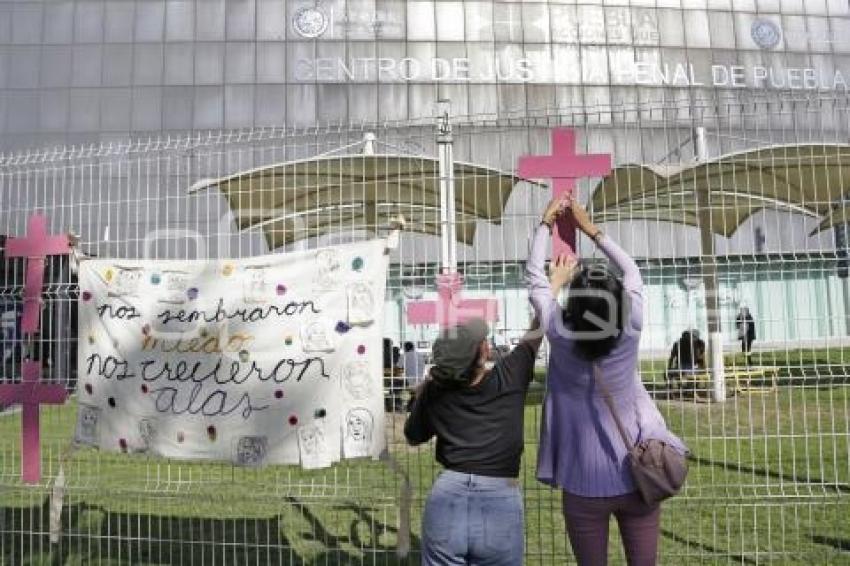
{"type": "Point", "coordinates": [539, 289]}
{"type": "Point", "coordinates": [632, 281]}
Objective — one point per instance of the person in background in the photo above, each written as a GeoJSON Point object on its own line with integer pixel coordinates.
{"type": "Point", "coordinates": [474, 512]}
{"type": "Point", "coordinates": [594, 344]}
{"type": "Point", "coordinates": [686, 357]}
{"type": "Point", "coordinates": [746, 332]}
{"type": "Point", "coordinates": [414, 365]}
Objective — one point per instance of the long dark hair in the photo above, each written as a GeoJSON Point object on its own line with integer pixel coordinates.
{"type": "Point", "coordinates": [595, 294]}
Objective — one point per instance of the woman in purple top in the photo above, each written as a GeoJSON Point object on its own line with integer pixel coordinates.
{"type": "Point", "coordinates": [581, 451]}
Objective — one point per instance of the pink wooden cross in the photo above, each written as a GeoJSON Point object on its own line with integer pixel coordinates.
{"type": "Point", "coordinates": [450, 308]}
{"type": "Point", "coordinates": [30, 393]}
{"type": "Point", "coordinates": [564, 167]}
{"type": "Point", "coordinates": [35, 247]}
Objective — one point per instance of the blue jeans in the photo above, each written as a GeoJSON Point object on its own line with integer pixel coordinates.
{"type": "Point", "coordinates": [473, 520]}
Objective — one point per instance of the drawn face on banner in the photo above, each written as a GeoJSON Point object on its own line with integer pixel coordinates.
{"type": "Point", "coordinates": [317, 337]}
{"type": "Point", "coordinates": [327, 270]}
{"type": "Point", "coordinates": [361, 303]}
{"type": "Point", "coordinates": [126, 283]}
{"type": "Point", "coordinates": [251, 450]}
{"type": "Point", "coordinates": [312, 440]}
{"type": "Point", "coordinates": [174, 287]}
{"type": "Point", "coordinates": [358, 425]}
{"type": "Point", "coordinates": [356, 380]}
{"type": "Point", "coordinates": [147, 432]}
{"type": "Point", "coordinates": [256, 288]}
{"type": "Point", "coordinates": [87, 425]}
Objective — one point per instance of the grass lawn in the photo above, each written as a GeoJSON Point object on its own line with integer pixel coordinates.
{"type": "Point", "coordinates": [769, 483]}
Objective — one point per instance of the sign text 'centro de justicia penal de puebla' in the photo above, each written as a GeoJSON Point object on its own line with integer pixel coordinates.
{"type": "Point", "coordinates": [528, 70]}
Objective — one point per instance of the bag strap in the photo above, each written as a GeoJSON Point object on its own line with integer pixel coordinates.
{"type": "Point", "coordinates": [606, 395]}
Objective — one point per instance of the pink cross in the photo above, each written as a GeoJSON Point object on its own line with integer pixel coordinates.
{"type": "Point", "coordinates": [564, 166]}
{"type": "Point", "coordinates": [30, 393]}
{"type": "Point", "coordinates": [450, 309]}
{"type": "Point", "coordinates": [35, 247]}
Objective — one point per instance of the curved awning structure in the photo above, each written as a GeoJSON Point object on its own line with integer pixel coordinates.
{"type": "Point", "coordinates": [306, 198]}
{"type": "Point", "coordinates": [807, 179]}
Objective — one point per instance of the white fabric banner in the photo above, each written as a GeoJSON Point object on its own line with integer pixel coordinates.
{"type": "Point", "coordinates": [269, 360]}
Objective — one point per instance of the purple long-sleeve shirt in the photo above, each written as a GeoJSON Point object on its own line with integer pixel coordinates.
{"type": "Point", "coordinates": [580, 448]}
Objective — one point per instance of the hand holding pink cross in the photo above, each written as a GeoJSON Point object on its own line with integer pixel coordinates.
{"type": "Point", "coordinates": [564, 167]}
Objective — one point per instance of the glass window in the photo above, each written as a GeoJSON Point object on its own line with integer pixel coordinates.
{"type": "Point", "coordinates": [177, 104]}
{"type": "Point", "coordinates": [540, 97]}
{"type": "Point", "coordinates": [22, 111]}
{"type": "Point", "coordinates": [24, 66]}
{"type": "Point", "coordinates": [483, 99]}
{"type": "Point", "coordinates": [449, 21]}
{"type": "Point", "coordinates": [271, 19]}
{"type": "Point", "coordinates": [300, 62]}
{"type": "Point", "coordinates": [564, 23]}
{"type": "Point", "coordinates": [88, 62]}
{"type": "Point", "coordinates": [420, 21]}
{"type": "Point", "coordinates": [55, 66]}
{"type": "Point", "coordinates": [819, 38]}
{"type": "Point", "coordinates": [118, 21]}
{"type": "Point", "coordinates": [422, 55]}
{"type": "Point", "coordinates": [392, 65]}
{"type": "Point", "coordinates": [722, 30]}
{"type": "Point", "coordinates": [58, 21]}
{"type": "Point", "coordinates": [391, 18]}
{"type": "Point", "coordinates": [53, 111]}
{"type": "Point", "coordinates": [147, 64]}
{"type": "Point", "coordinates": [209, 64]}
{"type": "Point", "coordinates": [618, 26]}
{"type": "Point", "coordinates": [115, 109]}
{"type": "Point", "coordinates": [541, 63]}
{"type": "Point", "coordinates": [392, 102]}
{"type": "Point", "coordinates": [511, 98]}
{"type": "Point", "coordinates": [831, 7]}
{"type": "Point", "coordinates": [238, 106]}
{"type": "Point", "coordinates": [180, 20]}
{"type": "Point", "coordinates": [508, 68]}
{"type": "Point", "coordinates": [482, 61]}
{"type": "Point", "coordinates": [507, 22]}
{"type": "Point", "coordinates": [147, 109]}
{"type": "Point", "coordinates": [361, 20]}
{"type": "Point", "coordinates": [118, 65]}
{"type": "Point", "coordinates": [271, 105]}
{"type": "Point", "coordinates": [209, 107]}
{"type": "Point", "coordinates": [591, 24]}
{"type": "Point", "coordinates": [5, 23]}
{"type": "Point", "coordinates": [179, 64]}
{"type": "Point", "coordinates": [566, 67]}
{"type": "Point", "coordinates": [622, 61]}
{"type": "Point", "coordinates": [458, 94]}
{"type": "Point", "coordinates": [768, 5]}
{"type": "Point", "coordinates": [209, 15]}
{"type": "Point", "coordinates": [672, 28]}
{"type": "Point", "coordinates": [333, 103]}
{"type": "Point", "coordinates": [645, 29]}
{"type": "Point", "coordinates": [696, 29]}
{"type": "Point", "coordinates": [361, 61]}
{"type": "Point", "coordinates": [150, 20]}
{"type": "Point", "coordinates": [4, 72]}
{"type": "Point", "coordinates": [301, 105]}
{"type": "Point", "coordinates": [840, 35]}
{"type": "Point", "coordinates": [26, 23]}
{"type": "Point", "coordinates": [421, 100]}
{"type": "Point", "coordinates": [88, 23]}
{"type": "Point", "coordinates": [535, 23]}
{"type": "Point", "coordinates": [271, 62]}
{"type": "Point", "coordinates": [239, 64]}
{"type": "Point", "coordinates": [594, 65]}
{"type": "Point", "coordinates": [479, 21]}
{"type": "Point", "coordinates": [240, 19]}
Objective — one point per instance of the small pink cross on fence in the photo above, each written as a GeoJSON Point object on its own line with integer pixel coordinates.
{"type": "Point", "coordinates": [30, 393]}
{"type": "Point", "coordinates": [35, 247]}
{"type": "Point", "coordinates": [564, 167]}
{"type": "Point", "coordinates": [450, 308]}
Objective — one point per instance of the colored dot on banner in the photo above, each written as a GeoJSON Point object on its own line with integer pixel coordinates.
{"type": "Point", "coordinates": [281, 289]}
{"type": "Point", "coordinates": [91, 340]}
{"type": "Point", "coordinates": [145, 388]}
{"type": "Point", "coordinates": [211, 432]}
{"type": "Point", "coordinates": [203, 332]}
{"type": "Point", "coordinates": [357, 264]}
{"type": "Point", "coordinates": [122, 442]}
{"type": "Point", "coordinates": [86, 295]}
{"type": "Point", "coordinates": [192, 293]}
{"type": "Point", "coordinates": [288, 340]}
{"type": "Point", "coordinates": [227, 270]}
{"type": "Point", "coordinates": [89, 388]}
{"type": "Point", "coordinates": [155, 279]}
{"type": "Point", "coordinates": [320, 413]}
{"type": "Point", "coordinates": [278, 394]}
{"type": "Point", "coordinates": [181, 437]}
{"type": "Point", "coordinates": [361, 349]}
{"type": "Point", "coordinates": [108, 275]}
{"type": "Point", "coordinates": [293, 420]}
{"type": "Point", "coordinates": [342, 327]}
{"type": "Point", "coordinates": [146, 329]}
{"type": "Point", "coordinates": [244, 356]}
{"type": "Point", "coordinates": [112, 402]}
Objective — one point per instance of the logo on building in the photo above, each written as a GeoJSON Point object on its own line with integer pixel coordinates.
{"type": "Point", "coordinates": [310, 21]}
{"type": "Point", "coordinates": [766, 34]}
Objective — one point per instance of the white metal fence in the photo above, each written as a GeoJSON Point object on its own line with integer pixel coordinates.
{"type": "Point", "coordinates": [770, 481]}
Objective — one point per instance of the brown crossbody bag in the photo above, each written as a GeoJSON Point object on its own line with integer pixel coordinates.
{"type": "Point", "coordinates": [658, 469]}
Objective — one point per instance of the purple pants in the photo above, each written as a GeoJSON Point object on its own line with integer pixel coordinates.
{"type": "Point", "coordinates": [587, 525]}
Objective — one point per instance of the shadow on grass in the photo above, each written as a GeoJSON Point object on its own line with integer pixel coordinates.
{"type": "Point", "coordinates": [741, 468]}
{"type": "Point", "coordinates": [732, 558]}
{"type": "Point", "coordinates": [841, 544]}
{"type": "Point", "coordinates": [92, 534]}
